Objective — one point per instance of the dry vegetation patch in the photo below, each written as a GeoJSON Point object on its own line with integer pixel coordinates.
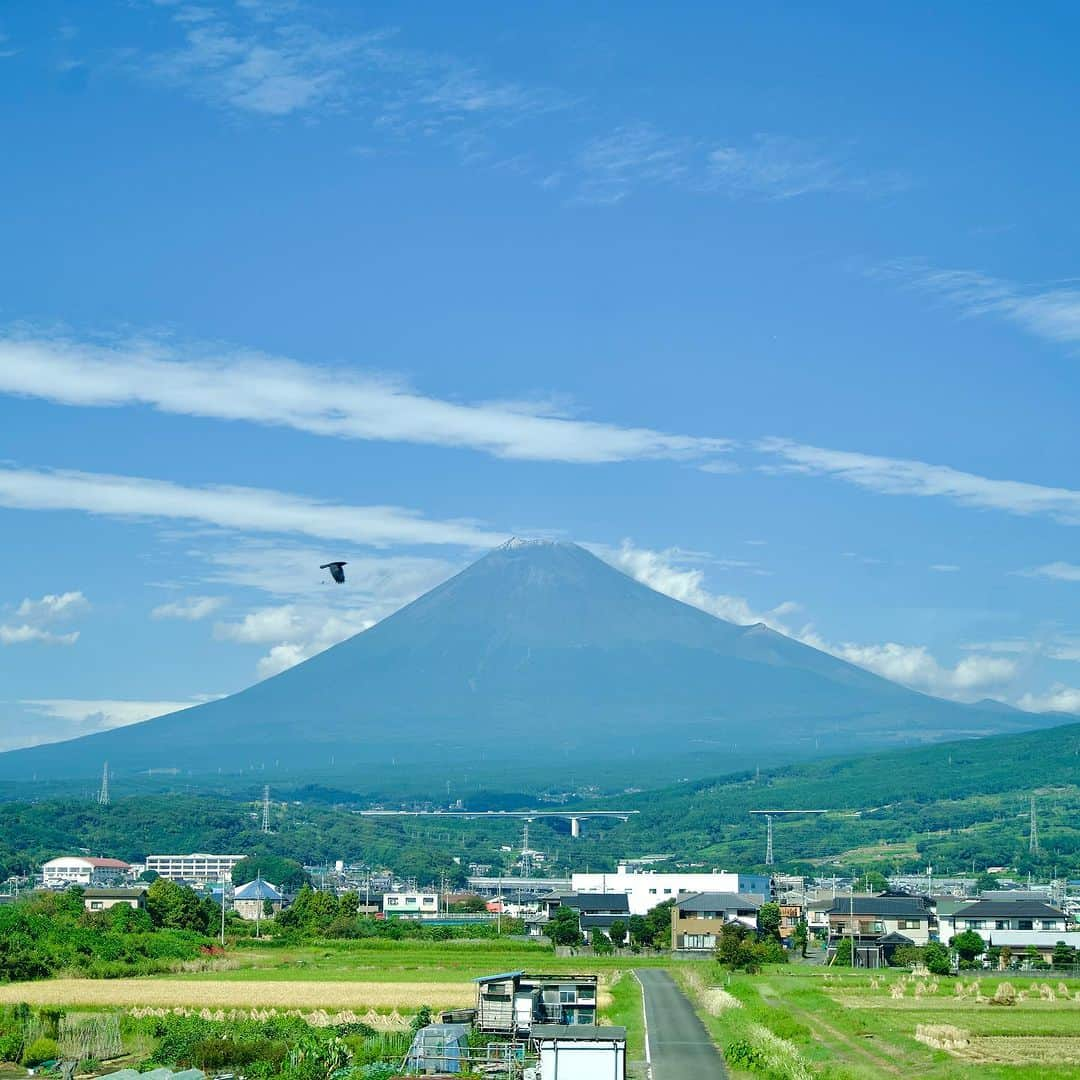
{"type": "Point", "coordinates": [1021, 1050]}
{"type": "Point", "coordinates": [230, 995]}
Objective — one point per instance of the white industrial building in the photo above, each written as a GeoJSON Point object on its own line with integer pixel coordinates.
{"type": "Point", "coordinates": [197, 867]}
{"type": "Point", "coordinates": [413, 905]}
{"type": "Point", "coordinates": [81, 870]}
{"type": "Point", "coordinates": [645, 890]}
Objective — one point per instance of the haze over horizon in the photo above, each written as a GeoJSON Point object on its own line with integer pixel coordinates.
{"type": "Point", "coordinates": [288, 282]}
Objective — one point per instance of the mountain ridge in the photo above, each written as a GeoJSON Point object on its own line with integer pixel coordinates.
{"type": "Point", "coordinates": [538, 651]}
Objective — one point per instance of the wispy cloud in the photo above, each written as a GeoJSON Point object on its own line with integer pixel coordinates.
{"type": "Point", "coordinates": [245, 509]}
{"type": "Point", "coordinates": [1053, 647]}
{"type": "Point", "coordinates": [765, 166]}
{"type": "Point", "coordinates": [315, 617]}
{"type": "Point", "coordinates": [1050, 311]}
{"type": "Point", "coordinates": [249, 386]}
{"type": "Point", "coordinates": [673, 573]}
{"type": "Point", "coordinates": [274, 59]}
{"type": "Point", "coordinates": [35, 617]}
{"type": "Point", "coordinates": [899, 476]}
{"type": "Point", "coordinates": [24, 634]}
{"type": "Point", "coordinates": [612, 165]}
{"type": "Point", "coordinates": [378, 584]}
{"type": "Point", "coordinates": [89, 715]}
{"type": "Point", "coordinates": [782, 167]}
{"type": "Point", "coordinates": [190, 609]}
{"type": "Point", "coordinates": [1058, 571]}
{"type": "Point", "coordinates": [1060, 698]}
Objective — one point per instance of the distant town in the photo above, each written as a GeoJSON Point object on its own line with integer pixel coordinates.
{"type": "Point", "coordinates": [1023, 924]}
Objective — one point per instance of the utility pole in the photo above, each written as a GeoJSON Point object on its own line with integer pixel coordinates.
{"type": "Point", "coordinates": [103, 794]}
{"type": "Point", "coordinates": [852, 908]}
{"type": "Point", "coordinates": [223, 909]}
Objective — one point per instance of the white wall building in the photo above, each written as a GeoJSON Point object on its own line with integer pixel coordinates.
{"type": "Point", "coordinates": [197, 867]}
{"type": "Point", "coordinates": [80, 870]}
{"type": "Point", "coordinates": [645, 890]}
{"type": "Point", "coordinates": [411, 904]}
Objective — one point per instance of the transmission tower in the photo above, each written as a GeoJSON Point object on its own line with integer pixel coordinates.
{"type": "Point", "coordinates": [266, 808]}
{"type": "Point", "coordinates": [103, 794]}
{"type": "Point", "coordinates": [1033, 833]}
{"type": "Point", "coordinates": [769, 815]}
{"type": "Point", "coordinates": [526, 856]}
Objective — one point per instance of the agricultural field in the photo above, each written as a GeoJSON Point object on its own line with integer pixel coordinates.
{"type": "Point", "coordinates": [368, 977]}
{"type": "Point", "coordinates": [801, 1024]}
{"type": "Point", "coordinates": [367, 992]}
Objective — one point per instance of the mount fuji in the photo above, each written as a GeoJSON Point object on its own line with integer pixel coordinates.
{"type": "Point", "coordinates": [538, 654]}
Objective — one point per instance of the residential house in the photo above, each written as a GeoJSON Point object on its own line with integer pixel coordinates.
{"type": "Point", "coordinates": [595, 911]}
{"type": "Point", "coordinates": [1015, 924]}
{"type": "Point", "coordinates": [877, 925]}
{"type": "Point", "coordinates": [105, 898]}
{"type": "Point", "coordinates": [250, 900]}
{"type": "Point", "coordinates": [696, 920]}
{"type": "Point", "coordinates": [82, 870]}
{"type": "Point", "coordinates": [513, 1001]}
{"type": "Point", "coordinates": [989, 916]}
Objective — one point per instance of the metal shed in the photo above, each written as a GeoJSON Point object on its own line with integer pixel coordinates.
{"type": "Point", "coordinates": [584, 1052]}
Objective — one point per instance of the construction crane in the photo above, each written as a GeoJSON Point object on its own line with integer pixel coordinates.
{"type": "Point", "coordinates": [769, 815]}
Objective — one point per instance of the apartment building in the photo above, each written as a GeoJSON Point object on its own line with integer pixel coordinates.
{"type": "Point", "coordinates": [198, 867]}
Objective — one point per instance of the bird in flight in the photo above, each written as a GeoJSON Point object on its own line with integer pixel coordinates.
{"type": "Point", "coordinates": [337, 571]}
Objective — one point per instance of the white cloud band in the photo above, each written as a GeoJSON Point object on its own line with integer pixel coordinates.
{"type": "Point", "coordinates": [248, 386]}
{"type": "Point", "coordinates": [250, 509]}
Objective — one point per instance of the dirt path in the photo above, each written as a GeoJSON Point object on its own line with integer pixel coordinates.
{"type": "Point", "coordinates": [857, 1050]}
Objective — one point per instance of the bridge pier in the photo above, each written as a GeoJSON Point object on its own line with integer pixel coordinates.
{"type": "Point", "coordinates": [575, 826]}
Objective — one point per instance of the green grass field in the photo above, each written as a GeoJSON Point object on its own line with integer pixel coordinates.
{"type": "Point", "coordinates": [374, 960]}
{"type": "Point", "coordinates": [801, 1023]}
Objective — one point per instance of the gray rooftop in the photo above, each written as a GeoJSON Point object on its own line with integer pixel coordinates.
{"type": "Point", "coordinates": [720, 901]}
{"type": "Point", "coordinates": [909, 907]}
{"type": "Point", "coordinates": [579, 1032]}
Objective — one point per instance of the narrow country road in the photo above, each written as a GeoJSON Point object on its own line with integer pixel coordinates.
{"type": "Point", "coordinates": [676, 1041]}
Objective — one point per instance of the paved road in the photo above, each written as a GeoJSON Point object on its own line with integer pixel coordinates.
{"type": "Point", "coordinates": [678, 1044]}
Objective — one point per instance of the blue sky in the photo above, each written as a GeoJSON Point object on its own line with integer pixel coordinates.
{"type": "Point", "coordinates": [774, 309]}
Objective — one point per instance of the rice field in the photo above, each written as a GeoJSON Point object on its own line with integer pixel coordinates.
{"type": "Point", "coordinates": [221, 994]}
{"type": "Point", "coordinates": [864, 1026]}
{"type": "Point", "coordinates": [383, 976]}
